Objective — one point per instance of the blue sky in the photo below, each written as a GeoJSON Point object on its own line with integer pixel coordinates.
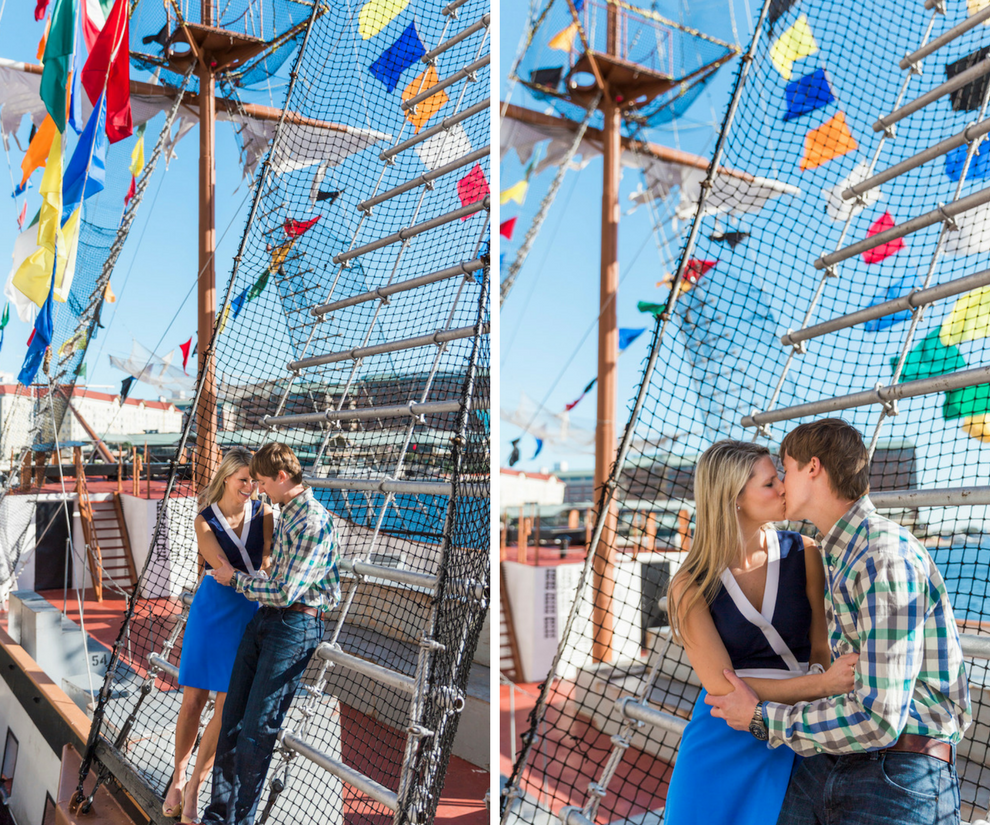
{"type": "Point", "coordinates": [549, 321]}
{"type": "Point", "coordinates": [158, 267]}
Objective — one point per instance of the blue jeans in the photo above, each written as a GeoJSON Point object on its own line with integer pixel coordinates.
{"type": "Point", "coordinates": [879, 788]}
{"type": "Point", "coordinates": [271, 660]}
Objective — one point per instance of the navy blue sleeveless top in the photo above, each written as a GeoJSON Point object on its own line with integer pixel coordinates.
{"type": "Point", "coordinates": [744, 641]}
{"type": "Point", "coordinates": [255, 543]}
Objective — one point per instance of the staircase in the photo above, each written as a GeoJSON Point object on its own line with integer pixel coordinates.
{"type": "Point", "coordinates": [508, 650]}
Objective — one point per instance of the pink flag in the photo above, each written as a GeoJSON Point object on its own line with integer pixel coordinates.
{"type": "Point", "coordinates": [23, 216]}
{"type": "Point", "coordinates": [472, 188]}
{"type": "Point", "coordinates": [878, 253]}
{"type": "Point", "coordinates": [507, 228]}
{"type": "Point", "coordinates": [185, 352]}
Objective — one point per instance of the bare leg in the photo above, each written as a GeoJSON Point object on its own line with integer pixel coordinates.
{"type": "Point", "coordinates": [204, 761]}
{"type": "Point", "coordinates": [186, 729]}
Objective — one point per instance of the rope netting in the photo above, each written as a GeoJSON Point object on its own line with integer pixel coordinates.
{"type": "Point", "coordinates": [359, 294]}
{"type": "Point", "coordinates": [775, 248]}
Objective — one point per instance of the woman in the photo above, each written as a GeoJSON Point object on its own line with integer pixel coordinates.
{"type": "Point", "coordinates": [751, 598]}
{"type": "Point", "coordinates": [232, 529]}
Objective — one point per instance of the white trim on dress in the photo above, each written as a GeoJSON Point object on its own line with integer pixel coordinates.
{"type": "Point", "coordinates": [238, 540]}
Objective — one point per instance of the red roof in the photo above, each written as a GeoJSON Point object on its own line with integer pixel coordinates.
{"type": "Point", "coordinates": [541, 476]}
{"type": "Point", "coordinates": [82, 392]}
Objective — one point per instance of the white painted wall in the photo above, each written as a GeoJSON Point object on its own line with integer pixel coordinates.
{"type": "Point", "coordinates": [173, 568]}
{"type": "Point", "coordinates": [37, 767]}
{"type": "Point", "coordinates": [517, 489]}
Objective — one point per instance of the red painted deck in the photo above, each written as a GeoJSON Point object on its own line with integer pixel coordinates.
{"type": "Point", "coordinates": [462, 799]}
{"type": "Point", "coordinates": [640, 782]}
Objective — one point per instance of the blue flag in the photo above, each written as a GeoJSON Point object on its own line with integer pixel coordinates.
{"type": "Point", "coordinates": [627, 336]}
{"type": "Point", "coordinates": [806, 94]}
{"type": "Point", "coordinates": [979, 166]}
{"type": "Point", "coordinates": [237, 304]}
{"type": "Point", "coordinates": [898, 289]}
{"type": "Point", "coordinates": [539, 447]}
{"type": "Point", "coordinates": [398, 57]}
{"type": "Point", "coordinates": [90, 154]}
{"type": "Point", "coordinates": [42, 337]}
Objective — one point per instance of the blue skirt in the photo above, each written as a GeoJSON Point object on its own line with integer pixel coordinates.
{"type": "Point", "coordinates": [725, 775]}
{"type": "Point", "coordinates": [216, 623]}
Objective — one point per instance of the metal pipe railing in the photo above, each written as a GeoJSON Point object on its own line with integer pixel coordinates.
{"type": "Point", "coordinates": [477, 26]}
{"type": "Point", "coordinates": [391, 574]}
{"type": "Point", "coordinates": [466, 73]}
{"type": "Point", "coordinates": [391, 485]}
{"type": "Point", "coordinates": [957, 82]}
{"type": "Point", "coordinates": [426, 177]}
{"type": "Point", "coordinates": [936, 497]}
{"type": "Point", "coordinates": [382, 675]}
{"type": "Point", "coordinates": [465, 268]}
{"type": "Point", "coordinates": [880, 395]}
{"type": "Point", "coordinates": [398, 411]}
{"type": "Point", "coordinates": [441, 337]}
{"type": "Point", "coordinates": [443, 126]}
{"type": "Point", "coordinates": [970, 22]}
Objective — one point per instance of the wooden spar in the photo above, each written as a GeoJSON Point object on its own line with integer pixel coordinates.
{"type": "Point", "coordinates": [608, 356]}
{"type": "Point", "coordinates": [206, 411]}
{"type": "Point", "coordinates": [596, 137]}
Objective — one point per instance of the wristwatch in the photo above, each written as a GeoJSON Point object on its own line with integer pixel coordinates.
{"type": "Point", "coordinates": [757, 726]}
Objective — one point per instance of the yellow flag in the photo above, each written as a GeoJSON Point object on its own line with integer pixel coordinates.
{"type": "Point", "coordinates": [969, 319]}
{"type": "Point", "coordinates": [793, 44]}
{"type": "Point", "coordinates": [516, 193]}
{"type": "Point", "coordinates": [137, 157]}
{"type": "Point", "coordinates": [375, 15]}
{"type": "Point", "coordinates": [108, 295]}
{"type": "Point", "coordinates": [433, 104]}
{"type": "Point", "coordinates": [973, 6]}
{"type": "Point", "coordinates": [223, 319]}
{"type": "Point", "coordinates": [33, 277]}
{"type": "Point", "coordinates": [279, 254]}
{"type": "Point", "coordinates": [563, 41]}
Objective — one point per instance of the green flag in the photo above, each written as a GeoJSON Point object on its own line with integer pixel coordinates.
{"type": "Point", "coordinates": [81, 371]}
{"type": "Point", "coordinates": [655, 310]}
{"type": "Point", "coordinates": [58, 57]}
{"type": "Point", "coordinates": [259, 286]}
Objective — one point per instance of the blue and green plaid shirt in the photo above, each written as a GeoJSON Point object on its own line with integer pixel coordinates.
{"type": "Point", "coordinates": [886, 600]}
{"type": "Point", "coordinates": [305, 559]}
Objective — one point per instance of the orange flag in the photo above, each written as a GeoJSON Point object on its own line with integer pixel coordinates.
{"type": "Point", "coordinates": [44, 39]}
{"type": "Point", "coordinates": [38, 149]}
{"type": "Point", "coordinates": [563, 41]}
{"type": "Point", "coordinates": [427, 108]}
{"type": "Point", "coordinates": [830, 140]}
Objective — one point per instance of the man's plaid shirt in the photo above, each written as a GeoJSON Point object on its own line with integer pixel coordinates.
{"type": "Point", "coordinates": [886, 600]}
{"type": "Point", "coordinates": [305, 559]}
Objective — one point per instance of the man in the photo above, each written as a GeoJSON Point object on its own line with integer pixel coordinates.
{"type": "Point", "coordinates": [884, 753]}
{"type": "Point", "coordinates": [279, 640]}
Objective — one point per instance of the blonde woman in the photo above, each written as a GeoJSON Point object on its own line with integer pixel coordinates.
{"type": "Point", "coordinates": [233, 530]}
{"type": "Point", "coordinates": [749, 598]}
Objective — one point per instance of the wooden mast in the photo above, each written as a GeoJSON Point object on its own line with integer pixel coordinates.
{"type": "Point", "coordinates": [206, 411]}
{"type": "Point", "coordinates": [608, 354]}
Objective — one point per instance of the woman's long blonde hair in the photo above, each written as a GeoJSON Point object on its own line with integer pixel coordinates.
{"type": "Point", "coordinates": [721, 474]}
{"type": "Point", "coordinates": [236, 458]}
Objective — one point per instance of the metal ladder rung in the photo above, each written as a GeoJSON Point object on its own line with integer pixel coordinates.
{"type": "Point", "coordinates": [942, 213]}
{"type": "Point", "coordinates": [425, 178]}
{"type": "Point", "coordinates": [478, 25]}
{"type": "Point", "coordinates": [917, 298]}
{"type": "Point", "coordinates": [456, 77]}
{"type": "Point", "coordinates": [970, 133]}
{"type": "Point", "coordinates": [383, 675]}
{"type": "Point", "coordinates": [967, 24]}
{"type": "Point", "coordinates": [392, 574]}
{"type": "Point", "coordinates": [450, 8]}
{"type": "Point", "coordinates": [416, 229]}
{"type": "Point", "coordinates": [880, 395]}
{"type": "Point", "coordinates": [440, 337]}
{"type": "Point", "coordinates": [975, 647]}
{"type": "Point", "coordinates": [391, 485]}
{"type": "Point", "coordinates": [443, 126]}
{"type": "Point", "coordinates": [347, 774]}
{"type": "Point", "coordinates": [411, 409]}
{"type": "Point", "coordinates": [163, 664]}
{"type": "Point", "coordinates": [631, 709]}
{"type": "Point", "coordinates": [383, 292]}
{"type": "Point", "coordinates": [957, 82]}
{"type": "Point", "coordinates": [935, 497]}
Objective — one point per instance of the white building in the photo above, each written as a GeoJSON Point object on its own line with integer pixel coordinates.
{"type": "Point", "coordinates": [517, 488]}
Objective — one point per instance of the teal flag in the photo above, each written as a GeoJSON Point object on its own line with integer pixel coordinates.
{"type": "Point", "coordinates": [57, 59]}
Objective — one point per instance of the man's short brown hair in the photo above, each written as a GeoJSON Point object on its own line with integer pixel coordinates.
{"type": "Point", "coordinates": [274, 457]}
{"type": "Point", "coordinates": [839, 447]}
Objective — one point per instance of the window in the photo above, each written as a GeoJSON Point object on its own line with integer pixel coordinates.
{"type": "Point", "coordinates": [9, 765]}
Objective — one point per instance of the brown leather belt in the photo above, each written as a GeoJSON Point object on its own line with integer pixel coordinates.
{"type": "Point", "coordinates": [913, 743]}
{"type": "Point", "coordinates": [303, 608]}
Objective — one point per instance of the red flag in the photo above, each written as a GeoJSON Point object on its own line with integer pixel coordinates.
{"type": "Point", "coordinates": [472, 188]}
{"type": "Point", "coordinates": [131, 191]}
{"type": "Point", "coordinates": [507, 228]}
{"type": "Point", "coordinates": [185, 352]}
{"type": "Point", "coordinates": [39, 9]}
{"type": "Point", "coordinates": [695, 270]}
{"type": "Point", "coordinates": [108, 68]}
{"type": "Point", "coordinates": [30, 337]}
{"type": "Point", "coordinates": [878, 253]}
{"type": "Point", "coordinates": [23, 216]}
{"type": "Point", "coordinates": [294, 228]}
